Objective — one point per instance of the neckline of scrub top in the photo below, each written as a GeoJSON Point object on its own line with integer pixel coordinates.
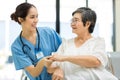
{"type": "Point", "coordinates": [29, 44]}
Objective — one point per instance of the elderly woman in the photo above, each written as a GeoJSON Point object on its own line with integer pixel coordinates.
{"type": "Point", "coordinates": [82, 57]}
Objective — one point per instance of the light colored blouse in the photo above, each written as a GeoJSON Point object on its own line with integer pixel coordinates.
{"type": "Point", "coordinates": [94, 47]}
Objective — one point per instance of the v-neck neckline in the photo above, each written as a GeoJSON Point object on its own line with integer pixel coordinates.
{"type": "Point", "coordinates": [82, 44]}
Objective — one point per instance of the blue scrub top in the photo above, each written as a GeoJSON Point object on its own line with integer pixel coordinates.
{"type": "Point", "coordinates": [49, 42]}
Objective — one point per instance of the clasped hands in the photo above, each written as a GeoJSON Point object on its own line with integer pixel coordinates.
{"type": "Point", "coordinates": [50, 59]}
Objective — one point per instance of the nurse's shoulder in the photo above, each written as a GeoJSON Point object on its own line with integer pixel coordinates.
{"type": "Point", "coordinates": [16, 45]}
{"type": "Point", "coordinates": [46, 30]}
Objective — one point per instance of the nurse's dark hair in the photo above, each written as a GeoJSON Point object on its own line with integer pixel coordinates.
{"type": "Point", "coordinates": [87, 14]}
{"type": "Point", "coordinates": [21, 11]}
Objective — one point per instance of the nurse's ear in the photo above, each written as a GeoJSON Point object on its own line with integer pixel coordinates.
{"type": "Point", "coordinates": [20, 19]}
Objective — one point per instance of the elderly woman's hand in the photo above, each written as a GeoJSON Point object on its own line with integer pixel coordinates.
{"type": "Point", "coordinates": [58, 74]}
{"type": "Point", "coordinates": [57, 57]}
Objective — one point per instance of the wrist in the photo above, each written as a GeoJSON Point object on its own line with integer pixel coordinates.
{"type": "Point", "coordinates": [65, 58]}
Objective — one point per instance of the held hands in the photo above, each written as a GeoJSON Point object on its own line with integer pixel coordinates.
{"type": "Point", "coordinates": [47, 61]}
{"type": "Point", "coordinates": [57, 57]}
{"type": "Point", "coordinates": [54, 57]}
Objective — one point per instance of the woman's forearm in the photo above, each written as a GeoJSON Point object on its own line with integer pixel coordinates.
{"type": "Point", "coordinates": [36, 70]}
{"type": "Point", "coordinates": [83, 60]}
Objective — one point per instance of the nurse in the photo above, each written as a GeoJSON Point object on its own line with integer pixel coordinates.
{"type": "Point", "coordinates": [33, 44]}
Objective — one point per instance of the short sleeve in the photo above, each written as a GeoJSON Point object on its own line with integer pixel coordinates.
{"type": "Point", "coordinates": [20, 59]}
{"type": "Point", "coordinates": [59, 51]}
{"type": "Point", "coordinates": [99, 51]}
{"type": "Point", "coordinates": [57, 39]}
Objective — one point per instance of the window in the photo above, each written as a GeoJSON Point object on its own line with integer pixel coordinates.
{"type": "Point", "coordinates": [104, 24]}
{"type": "Point", "coordinates": [2, 34]}
{"type": "Point", "coordinates": [7, 30]}
{"type": "Point", "coordinates": [46, 11]}
{"type": "Point", "coordinates": [66, 15]}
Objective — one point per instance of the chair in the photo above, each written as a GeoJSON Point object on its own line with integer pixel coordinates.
{"type": "Point", "coordinates": [24, 76]}
{"type": "Point", "coordinates": [114, 63]}
{"type": "Point", "coordinates": [10, 59]}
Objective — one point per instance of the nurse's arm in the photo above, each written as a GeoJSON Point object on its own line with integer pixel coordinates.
{"type": "Point", "coordinates": [36, 70]}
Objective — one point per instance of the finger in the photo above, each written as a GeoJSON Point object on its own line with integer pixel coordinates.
{"type": "Point", "coordinates": [48, 60]}
{"type": "Point", "coordinates": [56, 78]}
{"type": "Point", "coordinates": [48, 57]}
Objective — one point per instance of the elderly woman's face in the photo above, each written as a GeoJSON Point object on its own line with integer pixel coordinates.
{"type": "Point", "coordinates": [77, 24]}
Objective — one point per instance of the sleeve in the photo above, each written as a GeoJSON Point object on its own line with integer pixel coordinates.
{"type": "Point", "coordinates": [59, 51]}
{"type": "Point", "coordinates": [57, 39]}
{"type": "Point", "coordinates": [61, 47]}
{"type": "Point", "coordinates": [99, 51]}
{"type": "Point", "coordinates": [20, 59]}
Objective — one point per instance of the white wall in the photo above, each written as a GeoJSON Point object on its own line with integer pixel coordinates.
{"type": "Point", "coordinates": [117, 22]}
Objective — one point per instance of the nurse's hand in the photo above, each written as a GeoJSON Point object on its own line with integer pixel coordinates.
{"type": "Point", "coordinates": [47, 62]}
{"type": "Point", "coordinates": [58, 74]}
